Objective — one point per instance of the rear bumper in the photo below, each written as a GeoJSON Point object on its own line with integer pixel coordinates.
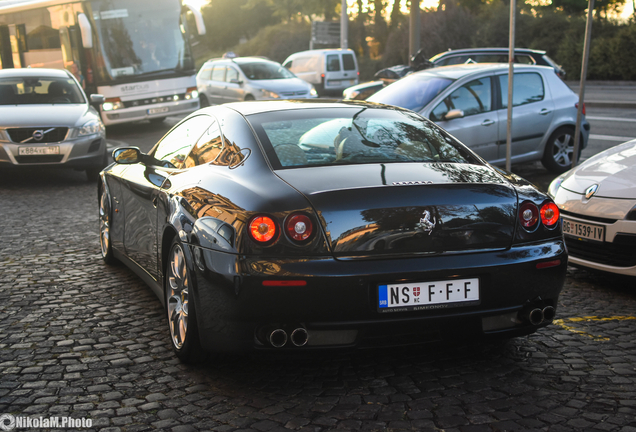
{"type": "Point", "coordinates": [338, 304]}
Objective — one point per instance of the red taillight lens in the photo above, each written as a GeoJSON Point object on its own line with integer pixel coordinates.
{"type": "Point", "coordinates": [299, 227]}
{"type": "Point", "coordinates": [582, 110]}
{"type": "Point", "coordinates": [528, 215]}
{"type": "Point", "coordinates": [549, 214]}
{"type": "Point", "coordinates": [263, 229]}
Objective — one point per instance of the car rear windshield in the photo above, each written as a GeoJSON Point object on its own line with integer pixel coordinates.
{"type": "Point", "coordinates": [34, 90]}
{"type": "Point", "coordinates": [355, 135]}
{"type": "Point", "coordinates": [265, 71]}
{"type": "Point", "coordinates": [412, 92]}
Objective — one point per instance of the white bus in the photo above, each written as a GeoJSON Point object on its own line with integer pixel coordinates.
{"type": "Point", "coordinates": [134, 52]}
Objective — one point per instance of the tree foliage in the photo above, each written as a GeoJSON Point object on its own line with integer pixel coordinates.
{"type": "Point", "coordinates": [278, 28]}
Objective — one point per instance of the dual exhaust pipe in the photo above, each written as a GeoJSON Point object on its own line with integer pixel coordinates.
{"type": "Point", "coordinates": [538, 315]}
{"type": "Point", "coordinates": [278, 337]}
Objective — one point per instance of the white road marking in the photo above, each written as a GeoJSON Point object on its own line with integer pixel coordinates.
{"type": "Point", "coordinates": [610, 138]}
{"type": "Point", "coordinates": [616, 119]}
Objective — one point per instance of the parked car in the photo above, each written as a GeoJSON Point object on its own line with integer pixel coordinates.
{"type": "Point", "coordinates": [447, 58]}
{"type": "Point", "coordinates": [470, 101]}
{"type": "Point", "coordinates": [598, 207]}
{"type": "Point", "coordinates": [329, 70]}
{"type": "Point", "coordinates": [496, 55]}
{"type": "Point", "coordinates": [46, 120]}
{"type": "Point", "coordinates": [235, 79]}
{"type": "Point", "coordinates": [306, 224]}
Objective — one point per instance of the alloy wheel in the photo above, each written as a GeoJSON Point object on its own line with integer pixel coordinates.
{"type": "Point", "coordinates": [104, 225]}
{"type": "Point", "coordinates": [177, 297]}
{"type": "Point", "coordinates": [563, 149]}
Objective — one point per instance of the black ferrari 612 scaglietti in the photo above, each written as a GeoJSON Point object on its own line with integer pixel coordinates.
{"type": "Point", "coordinates": [316, 224]}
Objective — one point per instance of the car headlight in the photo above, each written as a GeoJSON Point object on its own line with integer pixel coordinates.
{"type": "Point", "coordinates": [112, 104]}
{"type": "Point", "coordinates": [555, 185]}
{"type": "Point", "coordinates": [91, 127]}
{"type": "Point", "coordinates": [270, 94]}
{"type": "Point", "coordinates": [313, 92]}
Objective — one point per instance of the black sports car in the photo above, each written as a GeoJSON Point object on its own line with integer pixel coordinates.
{"type": "Point", "coordinates": [281, 225]}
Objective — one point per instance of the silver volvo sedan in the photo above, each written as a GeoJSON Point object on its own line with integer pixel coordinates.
{"type": "Point", "coordinates": [46, 120]}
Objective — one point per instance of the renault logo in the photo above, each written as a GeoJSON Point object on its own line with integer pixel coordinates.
{"type": "Point", "coordinates": [589, 192]}
{"type": "Point", "coordinates": [38, 135]}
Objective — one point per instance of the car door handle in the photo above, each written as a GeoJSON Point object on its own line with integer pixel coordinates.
{"type": "Point", "coordinates": [545, 111]}
{"type": "Point", "coordinates": [487, 122]}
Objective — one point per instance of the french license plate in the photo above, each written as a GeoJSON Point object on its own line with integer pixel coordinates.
{"type": "Point", "coordinates": [583, 230]}
{"type": "Point", "coordinates": [427, 295]}
{"type": "Point", "coordinates": [158, 110]}
{"type": "Point", "coordinates": [334, 82]}
{"type": "Point", "coordinates": [29, 151]}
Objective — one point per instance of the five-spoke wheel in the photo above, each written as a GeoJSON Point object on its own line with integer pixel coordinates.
{"type": "Point", "coordinates": [104, 229]}
{"type": "Point", "coordinates": [559, 150]}
{"type": "Point", "coordinates": [180, 306]}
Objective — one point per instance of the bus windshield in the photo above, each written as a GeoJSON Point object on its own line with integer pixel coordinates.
{"type": "Point", "coordinates": [141, 37]}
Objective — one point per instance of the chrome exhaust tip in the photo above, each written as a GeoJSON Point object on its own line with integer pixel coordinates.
{"type": "Point", "coordinates": [549, 313]}
{"type": "Point", "coordinates": [299, 337]}
{"type": "Point", "coordinates": [535, 316]}
{"type": "Point", "coordinates": [278, 338]}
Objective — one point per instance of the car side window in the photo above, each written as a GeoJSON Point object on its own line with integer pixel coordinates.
{"type": "Point", "coordinates": [288, 65]}
{"type": "Point", "coordinates": [218, 73]}
{"type": "Point", "coordinates": [207, 147]}
{"type": "Point", "coordinates": [472, 98]}
{"type": "Point", "coordinates": [231, 74]}
{"type": "Point", "coordinates": [527, 88]}
{"type": "Point", "coordinates": [456, 60]}
{"type": "Point", "coordinates": [206, 73]}
{"type": "Point", "coordinates": [333, 63]}
{"type": "Point", "coordinates": [524, 59]}
{"type": "Point", "coordinates": [176, 145]}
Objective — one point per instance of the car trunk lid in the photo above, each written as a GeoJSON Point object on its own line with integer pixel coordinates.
{"type": "Point", "coordinates": [406, 209]}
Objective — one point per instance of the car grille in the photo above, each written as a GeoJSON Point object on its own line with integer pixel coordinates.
{"type": "Point", "coordinates": [55, 134]}
{"type": "Point", "coordinates": [296, 93]}
{"type": "Point", "coordinates": [620, 253]}
{"type": "Point", "coordinates": [39, 159]}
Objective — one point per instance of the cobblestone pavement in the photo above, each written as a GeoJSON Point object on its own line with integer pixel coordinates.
{"type": "Point", "coordinates": [81, 339]}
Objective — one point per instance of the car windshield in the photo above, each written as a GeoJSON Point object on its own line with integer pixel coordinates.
{"type": "Point", "coordinates": [39, 90]}
{"type": "Point", "coordinates": [265, 71]}
{"type": "Point", "coordinates": [344, 136]}
{"type": "Point", "coordinates": [412, 92]}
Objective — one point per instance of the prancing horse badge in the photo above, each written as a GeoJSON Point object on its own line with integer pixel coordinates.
{"type": "Point", "coordinates": [426, 224]}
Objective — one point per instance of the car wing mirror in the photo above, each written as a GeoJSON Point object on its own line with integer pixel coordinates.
{"type": "Point", "coordinates": [235, 81]}
{"type": "Point", "coordinates": [97, 99]}
{"type": "Point", "coordinates": [454, 114]}
{"type": "Point", "coordinates": [127, 155]}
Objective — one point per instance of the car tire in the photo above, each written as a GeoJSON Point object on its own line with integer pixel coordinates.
{"type": "Point", "coordinates": [249, 97]}
{"type": "Point", "coordinates": [557, 156]}
{"type": "Point", "coordinates": [203, 101]}
{"type": "Point", "coordinates": [180, 307]}
{"type": "Point", "coordinates": [104, 229]}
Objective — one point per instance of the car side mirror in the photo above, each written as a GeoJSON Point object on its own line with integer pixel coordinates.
{"type": "Point", "coordinates": [97, 99]}
{"type": "Point", "coordinates": [235, 81]}
{"type": "Point", "coordinates": [127, 155]}
{"type": "Point", "coordinates": [454, 114]}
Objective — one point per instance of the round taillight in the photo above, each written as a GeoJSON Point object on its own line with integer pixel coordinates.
{"type": "Point", "coordinates": [528, 215]}
{"type": "Point", "coordinates": [299, 227]}
{"type": "Point", "coordinates": [549, 214]}
{"type": "Point", "coordinates": [262, 229]}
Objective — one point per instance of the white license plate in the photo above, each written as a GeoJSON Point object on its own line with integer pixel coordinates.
{"type": "Point", "coordinates": [583, 230]}
{"type": "Point", "coordinates": [48, 150]}
{"type": "Point", "coordinates": [334, 82]}
{"type": "Point", "coordinates": [427, 295]}
{"type": "Point", "coordinates": [158, 110]}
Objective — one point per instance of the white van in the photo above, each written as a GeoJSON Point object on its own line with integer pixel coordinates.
{"type": "Point", "coordinates": [329, 70]}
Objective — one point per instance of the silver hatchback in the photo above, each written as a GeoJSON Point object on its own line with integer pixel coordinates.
{"type": "Point", "coordinates": [470, 102]}
{"type": "Point", "coordinates": [249, 78]}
